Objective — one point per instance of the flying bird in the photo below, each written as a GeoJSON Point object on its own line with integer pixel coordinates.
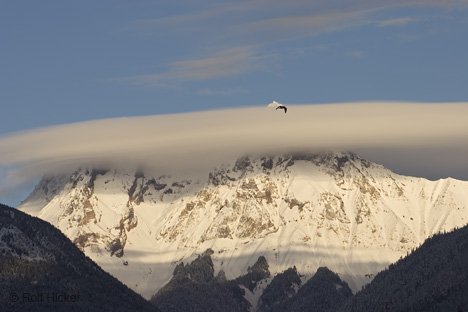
{"type": "Point", "coordinates": [277, 105]}
{"type": "Point", "coordinates": [282, 107]}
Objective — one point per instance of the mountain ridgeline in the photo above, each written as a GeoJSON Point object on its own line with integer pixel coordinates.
{"type": "Point", "coordinates": [298, 212]}
{"type": "Point", "coordinates": [434, 277]}
{"type": "Point", "coordinates": [194, 287]}
{"type": "Point", "coordinates": [41, 270]}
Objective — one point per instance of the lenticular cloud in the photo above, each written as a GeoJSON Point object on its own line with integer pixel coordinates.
{"type": "Point", "coordinates": [425, 139]}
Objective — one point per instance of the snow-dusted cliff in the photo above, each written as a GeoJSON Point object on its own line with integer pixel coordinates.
{"type": "Point", "coordinates": [309, 210]}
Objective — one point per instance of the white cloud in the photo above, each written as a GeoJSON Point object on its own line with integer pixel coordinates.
{"type": "Point", "coordinates": [426, 139]}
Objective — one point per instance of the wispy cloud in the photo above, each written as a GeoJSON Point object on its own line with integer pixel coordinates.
{"type": "Point", "coordinates": [397, 22]}
{"type": "Point", "coordinates": [260, 21]}
{"type": "Point", "coordinates": [280, 28]}
{"type": "Point", "coordinates": [226, 63]}
{"type": "Point", "coordinates": [240, 31]}
{"type": "Point", "coordinates": [222, 92]}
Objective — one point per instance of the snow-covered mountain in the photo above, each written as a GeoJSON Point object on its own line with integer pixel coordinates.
{"type": "Point", "coordinates": [304, 210]}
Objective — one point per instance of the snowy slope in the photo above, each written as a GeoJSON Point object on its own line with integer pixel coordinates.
{"type": "Point", "coordinates": [333, 209]}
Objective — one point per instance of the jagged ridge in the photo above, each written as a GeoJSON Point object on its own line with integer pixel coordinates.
{"type": "Point", "coordinates": [307, 210]}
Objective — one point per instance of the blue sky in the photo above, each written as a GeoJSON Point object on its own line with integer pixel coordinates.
{"type": "Point", "coordinates": [64, 61]}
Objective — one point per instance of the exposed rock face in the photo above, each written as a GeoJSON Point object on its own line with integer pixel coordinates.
{"type": "Point", "coordinates": [303, 210]}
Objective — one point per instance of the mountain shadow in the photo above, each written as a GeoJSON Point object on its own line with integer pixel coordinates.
{"type": "Point", "coordinates": [194, 287]}
{"type": "Point", "coordinates": [324, 292]}
{"type": "Point", "coordinates": [41, 270]}
{"type": "Point", "coordinates": [283, 286]}
{"type": "Point", "coordinates": [434, 277]}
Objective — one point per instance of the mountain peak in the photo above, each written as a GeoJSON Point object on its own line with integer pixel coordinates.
{"type": "Point", "coordinates": [333, 209]}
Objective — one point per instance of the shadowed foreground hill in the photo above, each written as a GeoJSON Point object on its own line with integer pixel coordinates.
{"type": "Point", "coordinates": [41, 270]}
{"type": "Point", "coordinates": [432, 278]}
{"type": "Point", "coordinates": [194, 287]}
{"type": "Point", "coordinates": [324, 292]}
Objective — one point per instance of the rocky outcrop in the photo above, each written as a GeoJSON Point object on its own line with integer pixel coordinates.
{"type": "Point", "coordinates": [194, 287]}
{"type": "Point", "coordinates": [283, 286]}
{"type": "Point", "coordinates": [325, 291]}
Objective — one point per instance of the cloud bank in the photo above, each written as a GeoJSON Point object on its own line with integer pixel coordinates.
{"type": "Point", "coordinates": [429, 140]}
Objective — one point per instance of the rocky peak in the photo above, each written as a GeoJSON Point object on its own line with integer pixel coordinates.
{"type": "Point", "coordinates": [199, 270]}
{"type": "Point", "coordinates": [255, 274]}
{"type": "Point", "coordinates": [47, 189]}
{"type": "Point", "coordinates": [283, 286]}
{"type": "Point", "coordinates": [243, 164]}
{"type": "Point", "coordinates": [336, 161]}
{"type": "Point", "coordinates": [325, 291]}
